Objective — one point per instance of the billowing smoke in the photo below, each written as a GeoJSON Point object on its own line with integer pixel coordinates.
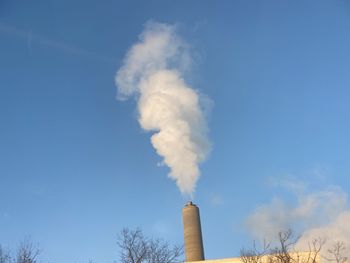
{"type": "Point", "coordinates": [153, 72]}
{"type": "Point", "coordinates": [321, 214]}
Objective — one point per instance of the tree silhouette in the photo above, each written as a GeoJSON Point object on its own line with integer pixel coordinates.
{"type": "Point", "coordinates": [137, 248]}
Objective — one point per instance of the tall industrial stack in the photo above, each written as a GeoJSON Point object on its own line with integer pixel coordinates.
{"type": "Point", "coordinates": [193, 233]}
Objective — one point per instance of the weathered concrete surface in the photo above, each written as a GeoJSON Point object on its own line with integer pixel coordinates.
{"type": "Point", "coordinates": [193, 233]}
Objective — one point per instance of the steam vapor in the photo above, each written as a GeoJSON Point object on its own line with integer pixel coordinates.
{"type": "Point", "coordinates": [152, 72]}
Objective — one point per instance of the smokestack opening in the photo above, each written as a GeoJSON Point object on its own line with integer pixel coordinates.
{"type": "Point", "coordinates": [192, 233]}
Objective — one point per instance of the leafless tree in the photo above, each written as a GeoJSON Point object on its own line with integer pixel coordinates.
{"type": "Point", "coordinates": [161, 252]}
{"type": "Point", "coordinates": [313, 253]}
{"type": "Point", "coordinates": [136, 248]}
{"type": "Point", "coordinates": [133, 245]}
{"type": "Point", "coordinates": [255, 255]}
{"type": "Point", "coordinates": [336, 253]}
{"type": "Point", "coordinates": [4, 256]}
{"type": "Point", "coordinates": [284, 251]}
{"type": "Point", "coordinates": [27, 252]}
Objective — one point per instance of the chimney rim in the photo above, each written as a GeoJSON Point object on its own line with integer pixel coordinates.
{"type": "Point", "coordinates": [190, 203]}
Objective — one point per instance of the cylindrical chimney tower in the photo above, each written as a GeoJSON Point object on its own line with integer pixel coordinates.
{"type": "Point", "coordinates": [193, 233]}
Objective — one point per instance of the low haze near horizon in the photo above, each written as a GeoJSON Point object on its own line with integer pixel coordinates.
{"type": "Point", "coordinates": [76, 167]}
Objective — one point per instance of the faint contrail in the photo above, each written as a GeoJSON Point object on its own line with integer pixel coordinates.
{"type": "Point", "coordinates": [28, 36]}
{"type": "Point", "coordinates": [152, 71]}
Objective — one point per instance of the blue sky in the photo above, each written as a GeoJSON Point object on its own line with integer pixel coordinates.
{"type": "Point", "coordinates": [76, 166]}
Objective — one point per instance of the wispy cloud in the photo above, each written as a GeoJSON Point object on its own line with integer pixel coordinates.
{"type": "Point", "coordinates": [161, 228]}
{"type": "Point", "coordinates": [289, 183]}
{"type": "Point", "coordinates": [4, 216]}
{"type": "Point", "coordinates": [312, 213]}
{"type": "Point", "coordinates": [216, 200]}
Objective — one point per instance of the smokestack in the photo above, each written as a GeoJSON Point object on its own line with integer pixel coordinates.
{"type": "Point", "coordinates": [193, 233]}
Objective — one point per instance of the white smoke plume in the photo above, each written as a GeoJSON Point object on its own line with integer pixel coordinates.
{"type": "Point", "coordinates": [322, 214]}
{"type": "Point", "coordinates": [153, 72]}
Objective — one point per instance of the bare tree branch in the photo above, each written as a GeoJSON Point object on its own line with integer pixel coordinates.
{"type": "Point", "coordinates": [284, 251]}
{"type": "Point", "coordinates": [136, 248]}
{"type": "Point", "coordinates": [4, 256]}
{"type": "Point", "coordinates": [255, 255]}
{"type": "Point", "coordinates": [336, 253]}
{"type": "Point", "coordinates": [27, 253]}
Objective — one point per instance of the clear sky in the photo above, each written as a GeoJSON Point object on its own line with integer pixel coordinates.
{"type": "Point", "coordinates": [75, 165]}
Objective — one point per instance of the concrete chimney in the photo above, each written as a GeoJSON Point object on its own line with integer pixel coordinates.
{"type": "Point", "coordinates": [193, 233]}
